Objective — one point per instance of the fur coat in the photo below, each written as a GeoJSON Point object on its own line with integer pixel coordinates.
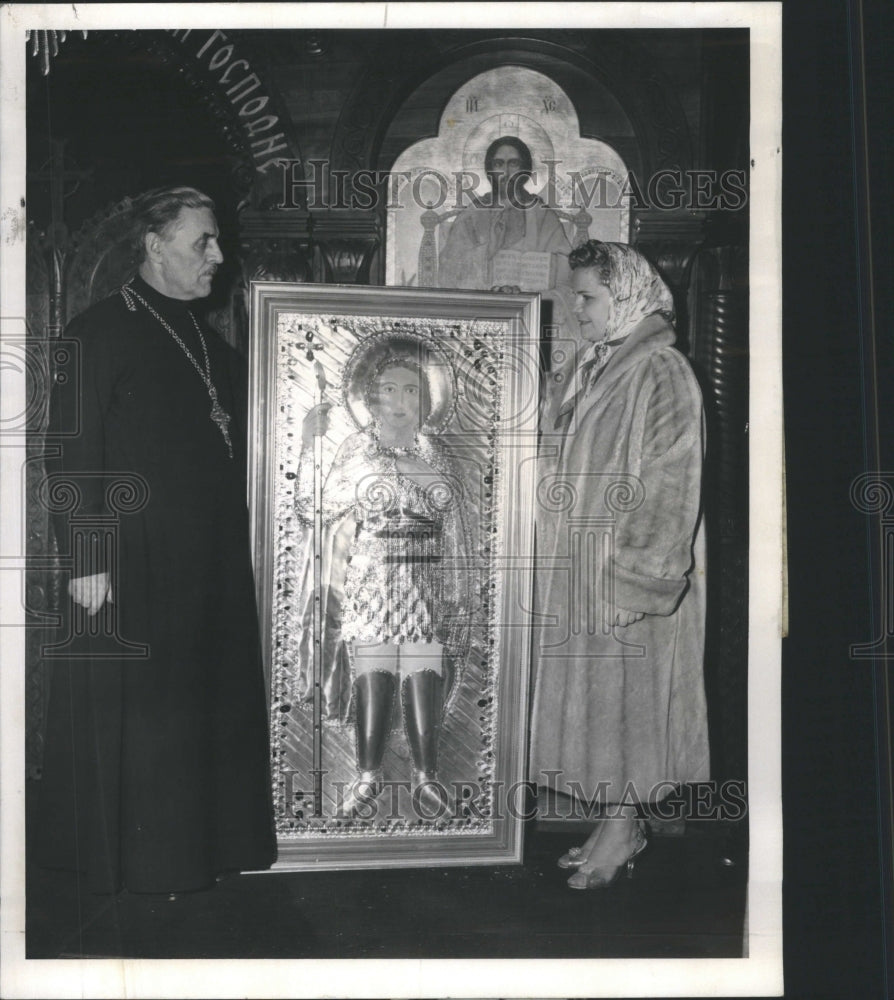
{"type": "Point", "coordinates": [621, 710]}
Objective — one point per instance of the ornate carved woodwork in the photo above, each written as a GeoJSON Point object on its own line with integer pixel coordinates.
{"type": "Point", "coordinates": [337, 247]}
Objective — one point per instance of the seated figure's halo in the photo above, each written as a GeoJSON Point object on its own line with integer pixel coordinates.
{"type": "Point", "coordinates": [395, 347]}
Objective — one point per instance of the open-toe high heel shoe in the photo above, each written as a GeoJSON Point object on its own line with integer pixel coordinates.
{"type": "Point", "coordinates": [573, 859]}
{"type": "Point", "coordinates": [597, 878]}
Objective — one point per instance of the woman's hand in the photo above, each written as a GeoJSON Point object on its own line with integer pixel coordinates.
{"type": "Point", "coordinates": [316, 424]}
{"type": "Point", "coordinates": [620, 617]}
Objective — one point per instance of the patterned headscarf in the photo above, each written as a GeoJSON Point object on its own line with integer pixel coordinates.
{"type": "Point", "coordinates": [636, 288]}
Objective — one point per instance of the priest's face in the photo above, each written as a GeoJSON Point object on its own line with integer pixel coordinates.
{"type": "Point", "coordinates": [592, 303]}
{"type": "Point", "coordinates": [188, 254]}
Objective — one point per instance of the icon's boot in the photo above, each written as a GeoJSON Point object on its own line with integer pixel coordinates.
{"type": "Point", "coordinates": [422, 700]}
{"type": "Point", "coordinates": [373, 707]}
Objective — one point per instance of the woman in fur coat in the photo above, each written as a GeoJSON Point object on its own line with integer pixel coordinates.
{"type": "Point", "coordinates": [619, 711]}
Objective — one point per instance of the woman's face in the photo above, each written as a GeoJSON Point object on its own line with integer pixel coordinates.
{"type": "Point", "coordinates": [396, 400]}
{"type": "Point", "coordinates": [592, 301]}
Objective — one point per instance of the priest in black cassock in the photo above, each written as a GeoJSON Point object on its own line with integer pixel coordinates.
{"type": "Point", "coordinates": [156, 775]}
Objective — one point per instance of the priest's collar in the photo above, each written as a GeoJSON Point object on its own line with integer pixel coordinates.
{"type": "Point", "coordinates": [173, 308]}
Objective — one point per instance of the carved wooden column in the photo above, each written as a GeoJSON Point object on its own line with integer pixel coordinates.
{"type": "Point", "coordinates": [720, 356]}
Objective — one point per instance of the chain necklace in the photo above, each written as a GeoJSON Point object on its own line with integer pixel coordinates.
{"type": "Point", "coordinates": [218, 414]}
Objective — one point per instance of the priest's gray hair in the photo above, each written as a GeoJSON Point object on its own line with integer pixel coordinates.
{"type": "Point", "coordinates": [156, 212]}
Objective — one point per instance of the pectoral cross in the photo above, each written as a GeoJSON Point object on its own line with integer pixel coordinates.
{"type": "Point", "coordinates": [220, 416]}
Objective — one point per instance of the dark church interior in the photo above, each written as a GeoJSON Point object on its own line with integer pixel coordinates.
{"type": "Point", "coordinates": [118, 112]}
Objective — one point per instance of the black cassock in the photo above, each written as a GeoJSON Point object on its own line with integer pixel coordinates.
{"type": "Point", "coordinates": [156, 768]}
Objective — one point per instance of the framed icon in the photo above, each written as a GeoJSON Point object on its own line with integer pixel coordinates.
{"type": "Point", "coordinates": [392, 479]}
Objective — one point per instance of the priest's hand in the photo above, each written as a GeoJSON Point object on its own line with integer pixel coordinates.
{"type": "Point", "coordinates": [620, 617]}
{"type": "Point", "coordinates": [91, 592]}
